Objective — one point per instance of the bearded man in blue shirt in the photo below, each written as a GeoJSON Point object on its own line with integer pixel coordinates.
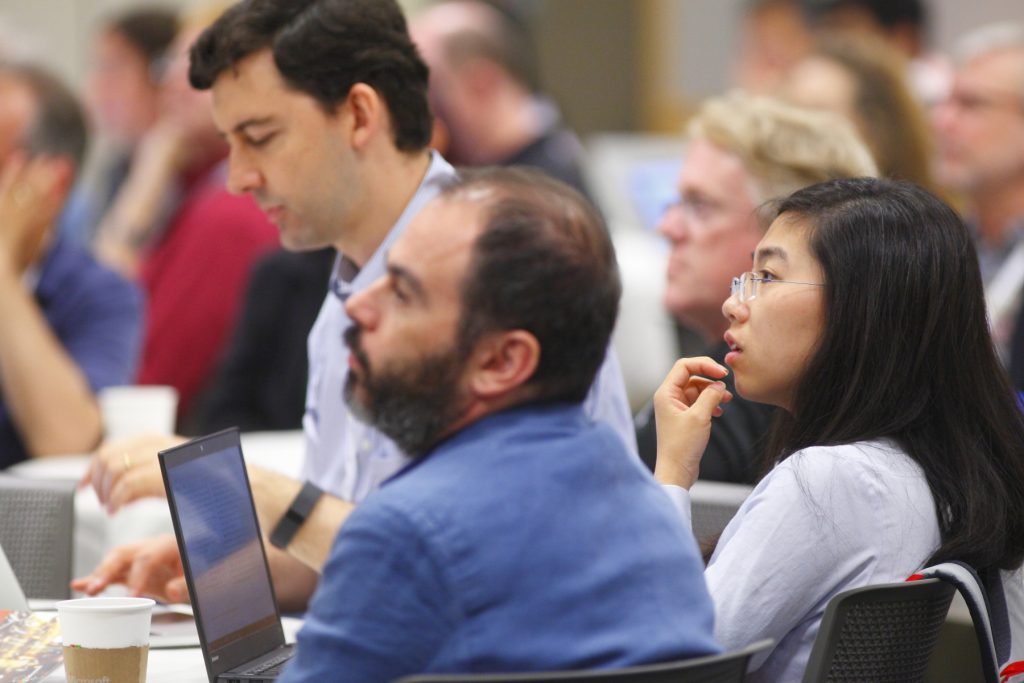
{"type": "Point", "coordinates": [523, 536]}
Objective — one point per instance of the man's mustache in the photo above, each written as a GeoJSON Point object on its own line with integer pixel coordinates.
{"type": "Point", "coordinates": [351, 338]}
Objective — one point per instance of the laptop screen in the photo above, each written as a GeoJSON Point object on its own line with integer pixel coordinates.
{"type": "Point", "coordinates": [221, 547]}
{"type": "Point", "coordinates": [11, 595]}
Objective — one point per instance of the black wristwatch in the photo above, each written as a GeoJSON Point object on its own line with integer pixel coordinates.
{"type": "Point", "coordinates": [296, 515]}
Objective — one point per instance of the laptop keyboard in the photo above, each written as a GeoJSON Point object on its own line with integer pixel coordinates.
{"type": "Point", "coordinates": [271, 666]}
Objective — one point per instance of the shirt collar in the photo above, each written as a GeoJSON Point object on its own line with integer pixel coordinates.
{"type": "Point", "coordinates": [536, 417]}
{"type": "Point", "coordinates": [991, 258]}
{"type": "Point", "coordinates": [346, 277]}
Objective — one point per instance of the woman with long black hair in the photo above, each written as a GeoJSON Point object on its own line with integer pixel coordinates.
{"type": "Point", "coordinates": [901, 443]}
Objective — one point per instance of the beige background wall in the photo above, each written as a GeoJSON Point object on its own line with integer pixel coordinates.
{"type": "Point", "coordinates": [612, 64]}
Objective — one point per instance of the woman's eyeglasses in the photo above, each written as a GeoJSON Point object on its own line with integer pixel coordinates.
{"type": "Point", "coordinates": [746, 286]}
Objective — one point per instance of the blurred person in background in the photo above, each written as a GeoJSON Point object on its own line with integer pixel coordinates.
{"type": "Point", "coordinates": [901, 23]}
{"type": "Point", "coordinates": [774, 36]}
{"type": "Point", "coordinates": [122, 95]}
{"type": "Point", "coordinates": [260, 384]}
{"type": "Point", "coordinates": [979, 133]}
{"type": "Point", "coordinates": [743, 151]}
{"type": "Point", "coordinates": [192, 256]}
{"type": "Point", "coordinates": [484, 92]}
{"type": "Point", "coordinates": [70, 327]}
{"type": "Point", "coordinates": [863, 80]}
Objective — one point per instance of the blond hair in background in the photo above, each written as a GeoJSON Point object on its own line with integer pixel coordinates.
{"type": "Point", "coordinates": [783, 148]}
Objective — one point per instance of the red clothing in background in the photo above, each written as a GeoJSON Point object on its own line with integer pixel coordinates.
{"type": "Point", "coordinates": [194, 279]}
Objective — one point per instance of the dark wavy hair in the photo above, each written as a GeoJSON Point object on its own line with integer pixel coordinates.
{"type": "Point", "coordinates": [543, 263]}
{"type": "Point", "coordinates": [906, 354]}
{"type": "Point", "coordinates": [150, 30]}
{"type": "Point", "coordinates": [323, 48]}
{"type": "Point", "coordinates": [888, 13]}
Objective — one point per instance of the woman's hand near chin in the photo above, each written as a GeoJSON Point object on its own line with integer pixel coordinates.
{"type": "Point", "coordinates": [683, 407]}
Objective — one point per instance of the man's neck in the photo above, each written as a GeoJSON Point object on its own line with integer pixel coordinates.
{"type": "Point", "coordinates": [391, 185]}
{"type": "Point", "coordinates": [998, 210]}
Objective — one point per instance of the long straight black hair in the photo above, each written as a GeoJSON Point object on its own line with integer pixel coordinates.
{"type": "Point", "coordinates": [906, 354]}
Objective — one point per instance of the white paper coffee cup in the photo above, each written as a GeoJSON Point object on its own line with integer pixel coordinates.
{"type": "Point", "coordinates": [105, 638]}
{"type": "Point", "coordinates": [138, 409]}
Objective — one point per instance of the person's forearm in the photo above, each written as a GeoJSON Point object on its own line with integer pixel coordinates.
{"type": "Point", "coordinates": [125, 228]}
{"type": "Point", "coordinates": [294, 582]}
{"type": "Point", "coordinates": [311, 545]}
{"type": "Point", "coordinates": [45, 392]}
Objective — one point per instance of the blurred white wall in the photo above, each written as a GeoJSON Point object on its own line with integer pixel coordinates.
{"type": "Point", "coordinates": [58, 32]}
{"type": "Point", "coordinates": [699, 36]}
{"type": "Point", "coordinates": [702, 35]}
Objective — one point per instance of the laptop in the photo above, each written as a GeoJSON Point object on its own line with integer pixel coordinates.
{"type": "Point", "coordinates": [223, 557]}
{"type": "Point", "coordinates": [11, 596]}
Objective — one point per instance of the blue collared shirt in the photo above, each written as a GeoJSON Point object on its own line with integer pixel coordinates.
{"type": "Point", "coordinates": [97, 317]}
{"type": "Point", "coordinates": [531, 540]}
{"type": "Point", "coordinates": [349, 458]}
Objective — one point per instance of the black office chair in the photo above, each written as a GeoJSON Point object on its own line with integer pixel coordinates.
{"type": "Point", "coordinates": [883, 634]}
{"type": "Point", "coordinates": [730, 667]}
{"type": "Point", "coordinates": [36, 522]}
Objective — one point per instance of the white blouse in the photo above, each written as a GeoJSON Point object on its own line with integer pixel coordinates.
{"type": "Point", "coordinates": [824, 520]}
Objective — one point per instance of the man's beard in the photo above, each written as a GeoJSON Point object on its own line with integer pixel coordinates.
{"type": "Point", "coordinates": [412, 402]}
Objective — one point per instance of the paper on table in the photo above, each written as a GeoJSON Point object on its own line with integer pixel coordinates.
{"type": "Point", "coordinates": [29, 646]}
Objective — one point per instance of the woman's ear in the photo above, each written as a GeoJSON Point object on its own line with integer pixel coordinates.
{"type": "Point", "coordinates": [502, 362]}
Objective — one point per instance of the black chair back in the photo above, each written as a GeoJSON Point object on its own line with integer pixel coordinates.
{"type": "Point", "coordinates": [36, 524]}
{"type": "Point", "coordinates": [883, 634]}
{"type": "Point", "coordinates": [730, 667]}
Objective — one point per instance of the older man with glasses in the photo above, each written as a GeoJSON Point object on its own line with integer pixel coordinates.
{"type": "Point", "coordinates": [980, 143]}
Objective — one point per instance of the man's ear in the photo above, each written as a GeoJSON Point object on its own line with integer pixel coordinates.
{"type": "Point", "coordinates": [502, 362]}
{"type": "Point", "coordinates": [367, 112]}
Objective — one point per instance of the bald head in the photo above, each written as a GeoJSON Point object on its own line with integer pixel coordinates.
{"type": "Point", "coordinates": [451, 33]}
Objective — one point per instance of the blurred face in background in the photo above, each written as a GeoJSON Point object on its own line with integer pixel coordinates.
{"type": "Point", "coordinates": [181, 105]}
{"type": "Point", "coordinates": [774, 38]}
{"type": "Point", "coordinates": [122, 94]}
{"type": "Point", "coordinates": [713, 230]}
{"type": "Point", "coordinates": [822, 84]}
{"type": "Point", "coordinates": [980, 126]}
{"type": "Point", "coordinates": [453, 101]}
{"type": "Point", "coordinates": [17, 110]}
